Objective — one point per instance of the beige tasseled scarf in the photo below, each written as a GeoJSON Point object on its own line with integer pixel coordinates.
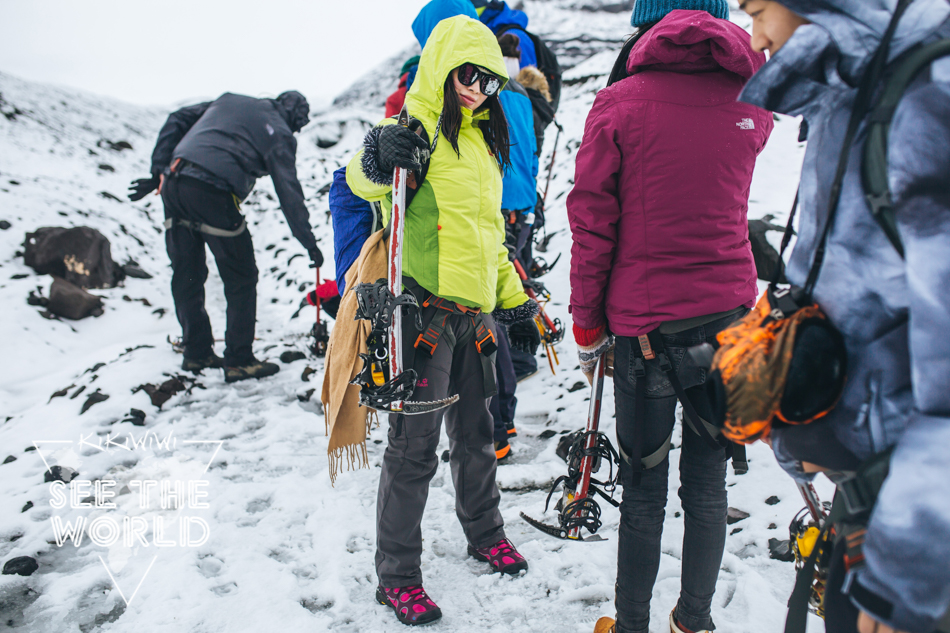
{"type": "Point", "coordinates": [348, 424]}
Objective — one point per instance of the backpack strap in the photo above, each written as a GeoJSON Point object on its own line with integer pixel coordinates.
{"type": "Point", "coordinates": [877, 189]}
{"type": "Point", "coordinates": [862, 104]}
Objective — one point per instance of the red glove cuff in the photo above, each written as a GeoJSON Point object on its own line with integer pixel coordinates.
{"type": "Point", "coordinates": [587, 338]}
{"type": "Point", "coordinates": [328, 290]}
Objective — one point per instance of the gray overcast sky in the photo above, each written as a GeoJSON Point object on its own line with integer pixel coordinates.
{"type": "Point", "coordinates": [169, 51]}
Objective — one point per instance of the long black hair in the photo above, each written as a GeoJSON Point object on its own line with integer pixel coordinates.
{"type": "Point", "coordinates": [619, 70]}
{"type": "Point", "coordinates": [494, 130]}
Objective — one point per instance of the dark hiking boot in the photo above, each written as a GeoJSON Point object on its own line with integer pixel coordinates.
{"type": "Point", "coordinates": [411, 604]}
{"type": "Point", "coordinates": [254, 369]}
{"type": "Point", "coordinates": [195, 365]}
{"type": "Point", "coordinates": [502, 556]}
{"type": "Point", "coordinates": [510, 427]}
{"type": "Point", "coordinates": [502, 450]}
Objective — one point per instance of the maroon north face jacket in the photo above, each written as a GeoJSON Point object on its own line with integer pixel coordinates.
{"type": "Point", "coordinates": [658, 209]}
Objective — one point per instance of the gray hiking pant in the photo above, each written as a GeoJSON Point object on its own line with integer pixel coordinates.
{"type": "Point", "coordinates": [410, 460]}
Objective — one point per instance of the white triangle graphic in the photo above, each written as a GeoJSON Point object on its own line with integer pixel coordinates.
{"type": "Point", "coordinates": [220, 443]}
{"type": "Point", "coordinates": [36, 444]}
{"type": "Point", "coordinates": [128, 600]}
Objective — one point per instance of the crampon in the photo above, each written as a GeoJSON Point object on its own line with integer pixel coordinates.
{"type": "Point", "coordinates": [577, 507]}
{"type": "Point", "coordinates": [804, 532]}
{"type": "Point", "coordinates": [379, 389]}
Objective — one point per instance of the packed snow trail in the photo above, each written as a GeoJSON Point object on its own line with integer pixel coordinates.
{"type": "Point", "coordinates": [286, 550]}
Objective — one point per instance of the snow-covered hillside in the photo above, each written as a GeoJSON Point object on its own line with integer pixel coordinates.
{"type": "Point", "coordinates": [285, 550]}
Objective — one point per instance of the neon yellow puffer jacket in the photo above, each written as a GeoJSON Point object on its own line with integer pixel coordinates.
{"type": "Point", "coordinates": [455, 234]}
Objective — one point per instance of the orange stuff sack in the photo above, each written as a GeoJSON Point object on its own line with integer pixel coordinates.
{"type": "Point", "coordinates": [775, 367]}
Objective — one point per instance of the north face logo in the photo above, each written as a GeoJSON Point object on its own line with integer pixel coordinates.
{"type": "Point", "coordinates": [746, 124]}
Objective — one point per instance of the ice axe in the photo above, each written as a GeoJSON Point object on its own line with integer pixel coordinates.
{"type": "Point", "coordinates": [577, 506]}
{"type": "Point", "coordinates": [384, 384]}
{"type": "Point", "coordinates": [560, 128]}
{"type": "Point", "coordinates": [551, 330]}
{"type": "Point", "coordinates": [320, 333]}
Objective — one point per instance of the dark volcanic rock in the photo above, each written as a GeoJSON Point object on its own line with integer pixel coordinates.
{"type": "Point", "coordinates": [773, 500]}
{"type": "Point", "coordinates": [781, 550]}
{"type": "Point", "coordinates": [10, 458]}
{"type": "Point", "coordinates": [160, 394]}
{"type": "Point", "coordinates": [26, 506]}
{"type": "Point", "coordinates": [734, 516]}
{"type": "Point", "coordinates": [292, 355]}
{"type": "Point", "coordinates": [60, 473]}
{"type": "Point", "coordinates": [21, 565]}
{"type": "Point", "coordinates": [577, 386]}
{"type": "Point", "coordinates": [94, 398]}
{"type": "Point", "coordinates": [4, 225]}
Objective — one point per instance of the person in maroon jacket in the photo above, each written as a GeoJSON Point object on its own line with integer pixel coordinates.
{"type": "Point", "coordinates": [661, 247]}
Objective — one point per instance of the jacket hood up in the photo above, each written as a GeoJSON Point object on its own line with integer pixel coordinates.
{"type": "Point", "coordinates": [453, 42]}
{"type": "Point", "coordinates": [294, 108]}
{"type": "Point", "coordinates": [836, 47]}
{"type": "Point", "coordinates": [498, 14]}
{"type": "Point", "coordinates": [435, 12]}
{"type": "Point", "coordinates": [695, 41]}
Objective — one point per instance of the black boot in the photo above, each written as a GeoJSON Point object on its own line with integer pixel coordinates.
{"type": "Point", "coordinates": [195, 365]}
{"type": "Point", "coordinates": [254, 369]}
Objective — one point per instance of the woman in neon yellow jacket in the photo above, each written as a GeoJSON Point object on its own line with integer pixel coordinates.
{"type": "Point", "coordinates": [454, 258]}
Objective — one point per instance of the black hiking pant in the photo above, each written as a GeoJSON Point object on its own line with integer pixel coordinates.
{"type": "Point", "coordinates": [643, 508]}
{"type": "Point", "coordinates": [190, 199]}
{"type": "Point", "coordinates": [502, 405]}
{"type": "Point", "coordinates": [410, 460]}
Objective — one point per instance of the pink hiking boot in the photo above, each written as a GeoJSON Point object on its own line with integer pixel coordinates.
{"type": "Point", "coordinates": [411, 604]}
{"type": "Point", "coordinates": [502, 556]}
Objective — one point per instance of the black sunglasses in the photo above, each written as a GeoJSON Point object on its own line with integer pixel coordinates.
{"type": "Point", "coordinates": [469, 73]}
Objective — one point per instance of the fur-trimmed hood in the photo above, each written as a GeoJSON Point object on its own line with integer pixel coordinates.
{"type": "Point", "coordinates": [531, 77]}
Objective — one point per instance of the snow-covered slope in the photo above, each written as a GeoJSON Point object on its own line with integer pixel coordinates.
{"type": "Point", "coordinates": [286, 551]}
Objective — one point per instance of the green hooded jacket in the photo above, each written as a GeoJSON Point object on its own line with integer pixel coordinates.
{"type": "Point", "coordinates": [454, 241]}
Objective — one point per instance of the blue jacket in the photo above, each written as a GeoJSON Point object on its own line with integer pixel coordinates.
{"type": "Point", "coordinates": [519, 186]}
{"type": "Point", "coordinates": [352, 224]}
{"type": "Point", "coordinates": [435, 12]}
{"type": "Point", "coordinates": [497, 14]}
{"type": "Point", "coordinates": [894, 314]}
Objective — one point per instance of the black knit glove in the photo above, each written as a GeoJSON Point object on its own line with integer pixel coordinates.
{"type": "Point", "coordinates": [391, 146]}
{"type": "Point", "coordinates": [316, 256]}
{"type": "Point", "coordinates": [525, 336]}
{"type": "Point", "coordinates": [140, 188]}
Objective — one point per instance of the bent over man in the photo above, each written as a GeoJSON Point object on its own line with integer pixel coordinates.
{"type": "Point", "coordinates": [206, 161]}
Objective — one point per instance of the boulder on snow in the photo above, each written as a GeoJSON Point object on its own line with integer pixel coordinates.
{"type": "Point", "coordinates": [136, 417]}
{"type": "Point", "coordinates": [4, 225]}
{"type": "Point", "coordinates": [60, 473]}
{"type": "Point", "coordinates": [69, 301]}
{"type": "Point", "coordinates": [80, 255]}
{"type": "Point", "coordinates": [734, 516]}
{"type": "Point", "coordinates": [94, 398]}
{"type": "Point", "coordinates": [292, 355]}
{"type": "Point", "coordinates": [21, 565]}
{"type": "Point", "coordinates": [781, 550]}
{"type": "Point", "coordinates": [114, 146]}
{"type": "Point", "coordinates": [160, 394]}
{"type": "Point", "coordinates": [10, 458]}
{"type": "Point", "coordinates": [132, 269]}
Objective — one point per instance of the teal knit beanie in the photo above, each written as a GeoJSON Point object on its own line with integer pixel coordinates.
{"type": "Point", "coordinates": [649, 11]}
